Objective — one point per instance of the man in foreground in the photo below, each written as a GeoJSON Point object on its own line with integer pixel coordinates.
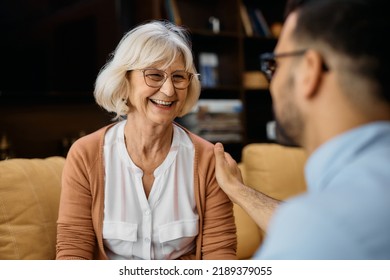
{"type": "Point", "coordinates": [330, 89]}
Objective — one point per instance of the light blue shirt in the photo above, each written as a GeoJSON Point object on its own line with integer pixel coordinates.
{"type": "Point", "coordinates": [345, 214]}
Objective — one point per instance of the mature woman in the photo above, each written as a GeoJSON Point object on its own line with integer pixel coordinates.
{"type": "Point", "coordinates": [144, 187]}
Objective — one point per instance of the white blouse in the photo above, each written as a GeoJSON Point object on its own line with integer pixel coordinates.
{"type": "Point", "coordinates": [165, 225]}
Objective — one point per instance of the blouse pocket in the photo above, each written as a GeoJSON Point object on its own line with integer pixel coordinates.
{"type": "Point", "coordinates": [119, 238]}
{"type": "Point", "coordinates": [178, 236]}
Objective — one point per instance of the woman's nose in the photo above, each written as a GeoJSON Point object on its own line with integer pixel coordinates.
{"type": "Point", "coordinates": [167, 87]}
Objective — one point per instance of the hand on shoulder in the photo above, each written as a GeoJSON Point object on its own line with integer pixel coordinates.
{"type": "Point", "coordinates": [226, 171]}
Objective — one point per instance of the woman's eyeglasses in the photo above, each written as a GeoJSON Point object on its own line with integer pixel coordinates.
{"type": "Point", "coordinates": [155, 78]}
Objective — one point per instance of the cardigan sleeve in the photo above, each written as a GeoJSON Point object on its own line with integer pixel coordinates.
{"type": "Point", "coordinates": [219, 228]}
{"type": "Point", "coordinates": [75, 234]}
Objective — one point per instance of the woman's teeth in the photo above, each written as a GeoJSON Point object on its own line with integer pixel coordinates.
{"type": "Point", "coordinates": [160, 102]}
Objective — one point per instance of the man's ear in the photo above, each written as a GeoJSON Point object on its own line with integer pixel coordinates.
{"type": "Point", "coordinates": [311, 73]}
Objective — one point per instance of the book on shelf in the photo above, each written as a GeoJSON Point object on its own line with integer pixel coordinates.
{"type": "Point", "coordinates": [263, 23]}
{"type": "Point", "coordinates": [246, 22]}
{"type": "Point", "coordinates": [254, 21]}
{"type": "Point", "coordinates": [208, 68]}
{"type": "Point", "coordinates": [173, 12]}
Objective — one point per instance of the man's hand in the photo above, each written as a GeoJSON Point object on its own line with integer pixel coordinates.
{"type": "Point", "coordinates": [258, 205]}
{"type": "Point", "coordinates": [226, 171]}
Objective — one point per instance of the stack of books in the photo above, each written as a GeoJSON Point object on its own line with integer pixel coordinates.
{"type": "Point", "coordinates": [216, 120]}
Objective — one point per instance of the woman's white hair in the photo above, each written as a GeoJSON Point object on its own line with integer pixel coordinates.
{"type": "Point", "coordinates": [155, 42]}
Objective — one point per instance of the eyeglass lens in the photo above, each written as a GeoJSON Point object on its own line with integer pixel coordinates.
{"type": "Point", "coordinates": [156, 78]}
{"type": "Point", "coordinates": [268, 65]}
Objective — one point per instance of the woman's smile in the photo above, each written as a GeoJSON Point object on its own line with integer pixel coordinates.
{"type": "Point", "coordinates": [162, 102]}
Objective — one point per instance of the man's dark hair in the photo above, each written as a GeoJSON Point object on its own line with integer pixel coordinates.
{"type": "Point", "coordinates": [355, 28]}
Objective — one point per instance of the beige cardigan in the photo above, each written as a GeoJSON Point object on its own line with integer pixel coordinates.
{"type": "Point", "coordinates": [80, 221]}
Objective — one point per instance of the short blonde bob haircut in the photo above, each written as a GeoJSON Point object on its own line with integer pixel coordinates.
{"type": "Point", "coordinates": [149, 44]}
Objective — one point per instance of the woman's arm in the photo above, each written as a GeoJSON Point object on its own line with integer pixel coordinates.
{"type": "Point", "coordinates": [75, 234]}
{"type": "Point", "coordinates": [219, 228]}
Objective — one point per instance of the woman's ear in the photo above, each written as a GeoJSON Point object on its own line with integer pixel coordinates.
{"type": "Point", "coordinates": [311, 73]}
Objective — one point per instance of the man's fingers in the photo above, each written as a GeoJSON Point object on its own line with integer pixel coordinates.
{"type": "Point", "coordinates": [219, 152]}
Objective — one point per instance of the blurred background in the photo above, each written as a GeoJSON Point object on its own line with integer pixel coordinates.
{"type": "Point", "coordinates": [51, 52]}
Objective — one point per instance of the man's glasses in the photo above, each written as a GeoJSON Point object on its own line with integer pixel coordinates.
{"type": "Point", "coordinates": [268, 63]}
{"type": "Point", "coordinates": [155, 78]}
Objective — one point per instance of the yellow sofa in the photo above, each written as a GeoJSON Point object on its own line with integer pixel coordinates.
{"type": "Point", "coordinates": [30, 190]}
{"type": "Point", "coordinates": [29, 198]}
{"type": "Point", "coordinates": [275, 170]}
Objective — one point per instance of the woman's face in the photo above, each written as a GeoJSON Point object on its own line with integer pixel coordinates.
{"type": "Point", "coordinates": [157, 105]}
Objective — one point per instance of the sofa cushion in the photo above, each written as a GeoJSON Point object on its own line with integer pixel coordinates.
{"type": "Point", "coordinates": [275, 170]}
{"type": "Point", "coordinates": [29, 199]}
